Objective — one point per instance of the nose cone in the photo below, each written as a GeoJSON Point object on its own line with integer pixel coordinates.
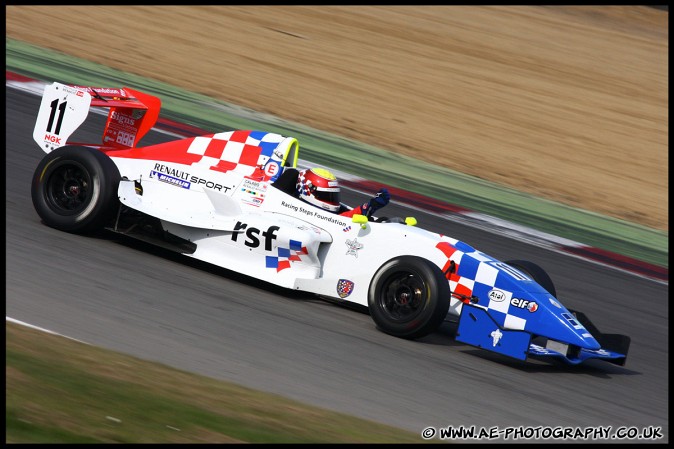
{"type": "Point", "coordinates": [526, 305]}
{"type": "Point", "coordinates": [554, 321]}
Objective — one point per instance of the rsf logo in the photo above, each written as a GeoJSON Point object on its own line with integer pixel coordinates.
{"type": "Point", "coordinates": [252, 235]}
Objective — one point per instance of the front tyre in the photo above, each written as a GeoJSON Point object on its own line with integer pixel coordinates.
{"type": "Point", "coordinates": [409, 297]}
{"type": "Point", "coordinates": [74, 189]}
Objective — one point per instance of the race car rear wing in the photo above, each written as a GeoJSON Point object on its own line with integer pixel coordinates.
{"type": "Point", "coordinates": [64, 108]}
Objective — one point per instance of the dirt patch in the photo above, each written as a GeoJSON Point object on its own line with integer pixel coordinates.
{"type": "Point", "coordinates": [568, 103]}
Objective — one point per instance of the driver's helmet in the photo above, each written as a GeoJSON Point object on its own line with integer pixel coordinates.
{"type": "Point", "coordinates": [319, 187]}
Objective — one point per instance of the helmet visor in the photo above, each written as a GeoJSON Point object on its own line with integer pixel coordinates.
{"type": "Point", "coordinates": [329, 196]}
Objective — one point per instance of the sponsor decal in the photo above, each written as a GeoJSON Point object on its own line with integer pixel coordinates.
{"type": "Point", "coordinates": [122, 119]}
{"type": "Point", "coordinates": [600, 351]}
{"type": "Point", "coordinates": [171, 171]}
{"type": "Point", "coordinates": [540, 350]}
{"type": "Point", "coordinates": [170, 179]}
{"type": "Point", "coordinates": [496, 295]}
{"type": "Point", "coordinates": [73, 90]}
{"type": "Point", "coordinates": [108, 90]}
{"type": "Point", "coordinates": [344, 288]}
{"type": "Point", "coordinates": [252, 192]}
{"type": "Point", "coordinates": [531, 306]}
{"type": "Point", "coordinates": [272, 168]}
{"type": "Point", "coordinates": [572, 321]}
{"type": "Point", "coordinates": [347, 229]}
{"type": "Point", "coordinates": [353, 247]}
{"type": "Point", "coordinates": [290, 206]}
{"type": "Point", "coordinates": [52, 138]}
{"type": "Point", "coordinates": [209, 184]}
{"type": "Point", "coordinates": [330, 219]}
{"type": "Point", "coordinates": [511, 271]}
{"type": "Point", "coordinates": [123, 138]}
{"type": "Point", "coordinates": [185, 176]}
{"type": "Point", "coordinates": [313, 213]}
{"type": "Point", "coordinates": [496, 336]}
{"type": "Point", "coordinates": [255, 192]}
{"type": "Point", "coordinates": [252, 235]}
{"type": "Point", "coordinates": [310, 228]}
{"type": "Point", "coordinates": [253, 185]}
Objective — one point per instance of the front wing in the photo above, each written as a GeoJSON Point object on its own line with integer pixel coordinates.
{"type": "Point", "coordinates": [478, 328]}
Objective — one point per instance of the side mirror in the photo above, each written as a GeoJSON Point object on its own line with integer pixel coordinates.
{"type": "Point", "coordinates": [360, 219]}
{"type": "Point", "coordinates": [410, 221]}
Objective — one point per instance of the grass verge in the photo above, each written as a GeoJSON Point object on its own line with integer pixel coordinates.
{"type": "Point", "coordinates": [63, 391]}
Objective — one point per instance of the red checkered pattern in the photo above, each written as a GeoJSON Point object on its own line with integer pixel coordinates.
{"type": "Point", "coordinates": [486, 274]}
{"type": "Point", "coordinates": [232, 150]}
{"type": "Point", "coordinates": [457, 284]}
{"type": "Point", "coordinates": [294, 256]}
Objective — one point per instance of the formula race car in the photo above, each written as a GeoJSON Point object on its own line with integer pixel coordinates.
{"type": "Point", "coordinates": [226, 199]}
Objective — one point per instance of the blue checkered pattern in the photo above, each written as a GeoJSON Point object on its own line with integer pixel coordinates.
{"type": "Point", "coordinates": [479, 274]}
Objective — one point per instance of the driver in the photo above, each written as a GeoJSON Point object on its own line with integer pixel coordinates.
{"type": "Point", "coordinates": [320, 187]}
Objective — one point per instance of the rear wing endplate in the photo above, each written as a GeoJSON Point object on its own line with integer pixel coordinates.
{"type": "Point", "coordinates": [64, 108]}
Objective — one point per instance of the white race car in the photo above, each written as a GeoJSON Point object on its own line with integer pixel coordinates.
{"type": "Point", "coordinates": [223, 198]}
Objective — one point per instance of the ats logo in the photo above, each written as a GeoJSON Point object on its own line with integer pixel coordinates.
{"type": "Point", "coordinates": [496, 295]}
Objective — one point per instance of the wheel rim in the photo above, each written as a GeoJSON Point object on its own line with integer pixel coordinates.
{"type": "Point", "coordinates": [68, 190]}
{"type": "Point", "coordinates": [403, 296]}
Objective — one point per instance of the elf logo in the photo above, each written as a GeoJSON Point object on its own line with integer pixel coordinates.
{"type": "Point", "coordinates": [531, 306]}
{"type": "Point", "coordinates": [252, 238]}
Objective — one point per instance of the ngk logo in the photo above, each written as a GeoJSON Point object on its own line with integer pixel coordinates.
{"type": "Point", "coordinates": [52, 138]}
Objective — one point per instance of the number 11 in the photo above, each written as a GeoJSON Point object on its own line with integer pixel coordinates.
{"type": "Point", "coordinates": [61, 109]}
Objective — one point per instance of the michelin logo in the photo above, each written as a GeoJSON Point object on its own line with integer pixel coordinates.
{"type": "Point", "coordinates": [170, 179]}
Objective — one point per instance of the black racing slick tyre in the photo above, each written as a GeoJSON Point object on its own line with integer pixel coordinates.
{"type": "Point", "coordinates": [536, 273]}
{"type": "Point", "coordinates": [409, 297]}
{"type": "Point", "coordinates": [74, 189]}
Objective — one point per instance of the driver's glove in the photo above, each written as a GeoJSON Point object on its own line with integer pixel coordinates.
{"type": "Point", "coordinates": [378, 201]}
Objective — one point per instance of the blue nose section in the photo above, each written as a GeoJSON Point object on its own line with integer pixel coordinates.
{"type": "Point", "coordinates": [559, 324]}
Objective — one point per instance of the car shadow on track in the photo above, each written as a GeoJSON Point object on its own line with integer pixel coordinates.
{"type": "Point", "coordinates": [595, 368]}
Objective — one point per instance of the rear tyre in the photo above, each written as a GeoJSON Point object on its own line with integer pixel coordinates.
{"type": "Point", "coordinates": [536, 273]}
{"type": "Point", "coordinates": [74, 189]}
{"type": "Point", "coordinates": [409, 297]}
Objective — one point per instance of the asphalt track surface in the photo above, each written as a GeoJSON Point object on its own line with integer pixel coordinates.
{"type": "Point", "coordinates": [135, 299]}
